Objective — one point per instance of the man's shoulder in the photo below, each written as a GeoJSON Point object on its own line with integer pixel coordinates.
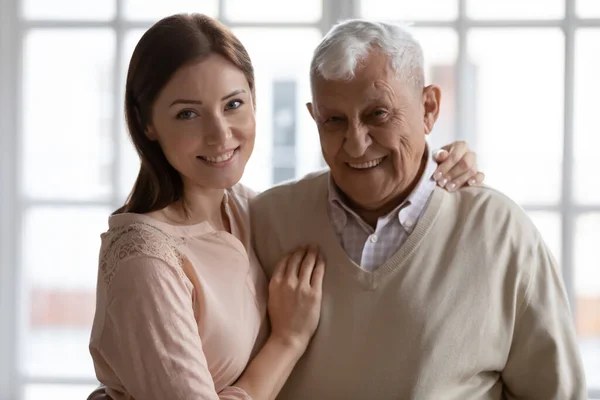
{"type": "Point", "coordinates": [295, 191]}
{"type": "Point", "coordinates": [489, 198]}
{"type": "Point", "coordinates": [487, 205]}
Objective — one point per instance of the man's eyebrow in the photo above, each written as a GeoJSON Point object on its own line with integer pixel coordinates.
{"type": "Point", "coordinates": [198, 102]}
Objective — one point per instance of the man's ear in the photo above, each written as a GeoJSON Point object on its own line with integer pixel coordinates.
{"type": "Point", "coordinates": [309, 107]}
{"type": "Point", "coordinates": [431, 104]}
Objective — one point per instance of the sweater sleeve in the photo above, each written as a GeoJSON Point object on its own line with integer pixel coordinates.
{"type": "Point", "coordinates": [544, 361]}
{"type": "Point", "coordinates": [150, 337]}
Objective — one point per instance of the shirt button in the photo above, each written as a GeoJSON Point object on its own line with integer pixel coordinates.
{"type": "Point", "coordinates": [373, 238]}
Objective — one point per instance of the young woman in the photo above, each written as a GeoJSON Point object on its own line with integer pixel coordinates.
{"type": "Point", "coordinates": [181, 298]}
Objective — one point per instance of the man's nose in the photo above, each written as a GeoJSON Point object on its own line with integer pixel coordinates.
{"type": "Point", "coordinates": [218, 130]}
{"type": "Point", "coordinates": [357, 140]}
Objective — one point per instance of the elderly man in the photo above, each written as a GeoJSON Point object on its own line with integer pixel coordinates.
{"type": "Point", "coordinates": [427, 295]}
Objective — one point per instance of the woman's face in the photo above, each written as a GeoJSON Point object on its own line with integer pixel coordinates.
{"type": "Point", "coordinates": [204, 121]}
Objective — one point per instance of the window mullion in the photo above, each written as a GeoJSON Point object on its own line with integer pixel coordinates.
{"type": "Point", "coordinates": [462, 129]}
{"type": "Point", "coordinates": [117, 131]}
{"type": "Point", "coordinates": [10, 211]}
{"type": "Point", "coordinates": [567, 203]}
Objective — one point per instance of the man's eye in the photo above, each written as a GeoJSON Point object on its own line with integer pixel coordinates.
{"type": "Point", "coordinates": [380, 113]}
{"type": "Point", "coordinates": [186, 114]}
{"type": "Point", "coordinates": [334, 119]}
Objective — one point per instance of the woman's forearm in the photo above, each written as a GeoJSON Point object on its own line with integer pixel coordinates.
{"type": "Point", "coordinates": [267, 372]}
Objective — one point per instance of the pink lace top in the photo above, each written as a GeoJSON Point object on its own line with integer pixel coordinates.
{"type": "Point", "coordinates": [180, 309]}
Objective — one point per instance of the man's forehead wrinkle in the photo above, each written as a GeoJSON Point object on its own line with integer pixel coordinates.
{"type": "Point", "coordinates": [383, 90]}
{"type": "Point", "coordinates": [371, 91]}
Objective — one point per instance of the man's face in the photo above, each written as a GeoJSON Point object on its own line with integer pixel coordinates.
{"type": "Point", "coordinates": [372, 130]}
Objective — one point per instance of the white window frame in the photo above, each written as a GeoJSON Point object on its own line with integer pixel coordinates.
{"type": "Point", "coordinates": [12, 206]}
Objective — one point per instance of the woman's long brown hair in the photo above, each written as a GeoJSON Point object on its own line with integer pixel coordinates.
{"type": "Point", "coordinates": [167, 46]}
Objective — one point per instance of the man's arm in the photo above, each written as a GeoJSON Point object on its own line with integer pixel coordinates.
{"type": "Point", "coordinates": [544, 361]}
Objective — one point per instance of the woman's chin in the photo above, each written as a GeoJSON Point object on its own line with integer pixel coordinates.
{"type": "Point", "coordinates": [225, 181]}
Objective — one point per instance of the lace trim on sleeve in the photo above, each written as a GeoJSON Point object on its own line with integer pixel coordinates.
{"type": "Point", "coordinates": [139, 239]}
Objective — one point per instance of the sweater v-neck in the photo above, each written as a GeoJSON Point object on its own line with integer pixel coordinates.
{"type": "Point", "coordinates": [371, 280]}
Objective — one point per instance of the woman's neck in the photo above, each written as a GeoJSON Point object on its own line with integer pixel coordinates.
{"type": "Point", "coordinates": [199, 205]}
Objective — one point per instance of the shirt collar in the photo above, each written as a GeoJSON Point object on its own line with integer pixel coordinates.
{"type": "Point", "coordinates": [340, 210]}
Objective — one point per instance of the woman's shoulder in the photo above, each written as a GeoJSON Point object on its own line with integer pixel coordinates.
{"type": "Point", "coordinates": [240, 196]}
{"type": "Point", "coordinates": [135, 236]}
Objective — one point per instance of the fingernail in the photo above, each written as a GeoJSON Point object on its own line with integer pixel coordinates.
{"type": "Point", "coordinates": [443, 182]}
{"type": "Point", "coordinates": [439, 153]}
{"type": "Point", "coordinates": [437, 176]}
{"type": "Point", "coordinates": [452, 186]}
{"type": "Point", "coordinates": [472, 182]}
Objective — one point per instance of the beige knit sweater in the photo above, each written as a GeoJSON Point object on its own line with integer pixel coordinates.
{"type": "Point", "coordinates": [471, 306]}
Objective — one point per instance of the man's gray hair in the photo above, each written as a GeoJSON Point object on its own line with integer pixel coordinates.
{"type": "Point", "coordinates": [348, 43]}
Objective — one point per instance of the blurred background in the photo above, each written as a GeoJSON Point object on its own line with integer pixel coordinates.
{"type": "Point", "coordinates": [520, 79]}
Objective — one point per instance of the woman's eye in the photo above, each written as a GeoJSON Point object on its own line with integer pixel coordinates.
{"type": "Point", "coordinates": [232, 105]}
{"type": "Point", "coordinates": [186, 114]}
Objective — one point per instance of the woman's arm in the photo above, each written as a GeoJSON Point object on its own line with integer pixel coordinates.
{"type": "Point", "coordinates": [457, 166]}
{"type": "Point", "coordinates": [294, 309]}
{"type": "Point", "coordinates": [151, 340]}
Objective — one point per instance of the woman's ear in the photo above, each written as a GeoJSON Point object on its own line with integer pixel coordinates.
{"type": "Point", "coordinates": [150, 133]}
{"type": "Point", "coordinates": [149, 130]}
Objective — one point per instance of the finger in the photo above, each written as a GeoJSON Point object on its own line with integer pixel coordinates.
{"type": "Point", "coordinates": [469, 178]}
{"type": "Point", "coordinates": [478, 180]}
{"type": "Point", "coordinates": [316, 280]}
{"type": "Point", "coordinates": [294, 264]}
{"type": "Point", "coordinates": [440, 155]}
{"type": "Point", "coordinates": [460, 181]}
{"type": "Point", "coordinates": [308, 264]}
{"type": "Point", "coordinates": [280, 268]}
{"type": "Point", "coordinates": [456, 152]}
{"type": "Point", "coordinates": [468, 163]}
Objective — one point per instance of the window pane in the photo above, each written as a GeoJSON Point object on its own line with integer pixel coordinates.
{"type": "Point", "coordinates": [69, 9]}
{"type": "Point", "coordinates": [68, 113]}
{"type": "Point", "coordinates": [144, 10]}
{"type": "Point", "coordinates": [286, 135]}
{"type": "Point", "coordinates": [273, 11]}
{"type": "Point", "coordinates": [516, 9]}
{"type": "Point", "coordinates": [548, 223]}
{"type": "Point", "coordinates": [587, 139]}
{"type": "Point", "coordinates": [62, 392]}
{"type": "Point", "coordinates": [588, 8]}
{"type": "Point", "coordinates": [60, 257]}
{"type": "Point", "coordinates": [518, 110]}
{"type": "Point", "coordinates": [440, 47]}
{"type": "Point", "coordinates": [409, 10]}
{"type": "Point", "coordinates": [587, 289]}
